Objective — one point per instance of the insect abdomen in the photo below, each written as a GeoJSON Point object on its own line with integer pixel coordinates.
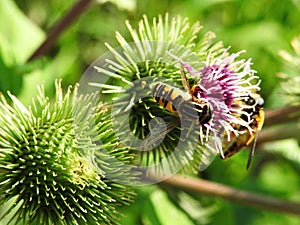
{"type": "Point", "coordinates": [177, 101]}
{"type": "Point", "coordinates": [246, 138]}
{"type": "Point", "coordinates": [167, 97]}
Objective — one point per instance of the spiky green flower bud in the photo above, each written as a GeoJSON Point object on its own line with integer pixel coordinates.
{"type": "Point", "coordinates": [290, 77]}
{"type": "Point", "coordinates": [49, 174]}
{"type": "Point", "coordinates": [145, 83]}
{"type": "Point", "coordinates": [124, 77]}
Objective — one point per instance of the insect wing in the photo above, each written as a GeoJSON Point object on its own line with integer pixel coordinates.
{"type": "Point", "coordinates": [157, 134]}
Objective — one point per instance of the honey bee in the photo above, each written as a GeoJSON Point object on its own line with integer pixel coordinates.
{"type": "Point", "coordinates": [246, 137]}
{"type": "Point", "coordinates": [183, 103]}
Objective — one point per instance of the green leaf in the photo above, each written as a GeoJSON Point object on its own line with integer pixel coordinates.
{"type": "Point", "coordinates": [166, 212]}
{"type": "Point", "coordinates": [272, 176]}
{"type": "Point", "coordinates": [19, 37]}
{"type": "Point", "coordinates": [9, 80]}
{"type": "Point", "coordinates": [287, 148]}
{"type": "Point", "coordinates": [22, 35]}
{"type": "Point", "coordinates": [62, 66]}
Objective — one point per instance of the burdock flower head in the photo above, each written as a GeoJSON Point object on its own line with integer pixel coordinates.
{"type": "Point", "coordinates": [142, 85]}
{"type": "Point", "coordinates": [47, 171]}
{"type": "Point", "coordinates": [290, 76]}
{"type": "Point", "coordinates": [225, 83]}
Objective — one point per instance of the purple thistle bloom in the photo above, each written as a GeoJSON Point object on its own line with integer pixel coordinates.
{"type": "Point", "coordinates": [223, 83]}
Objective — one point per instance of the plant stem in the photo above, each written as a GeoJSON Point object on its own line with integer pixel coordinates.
{"type": "Point", "coordinates": [280, 124]}
{"type": "Point", "coordinates": [232, 194]}
{"type": "Point", "coordinates": [282, 115]}
{"type": "Point", "coordinates": [77, 9]}
{"type": "Point", "coordinates": [279, 133]}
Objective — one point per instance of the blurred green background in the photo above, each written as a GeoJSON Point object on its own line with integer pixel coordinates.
{"type": "Point", "coordinates": [262, 28]}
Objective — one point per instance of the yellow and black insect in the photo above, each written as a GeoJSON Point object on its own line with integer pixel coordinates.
{"type": "Point", "coordinates": [246, 137]}
{"type": "Point", "coordinates": [182, 103]}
